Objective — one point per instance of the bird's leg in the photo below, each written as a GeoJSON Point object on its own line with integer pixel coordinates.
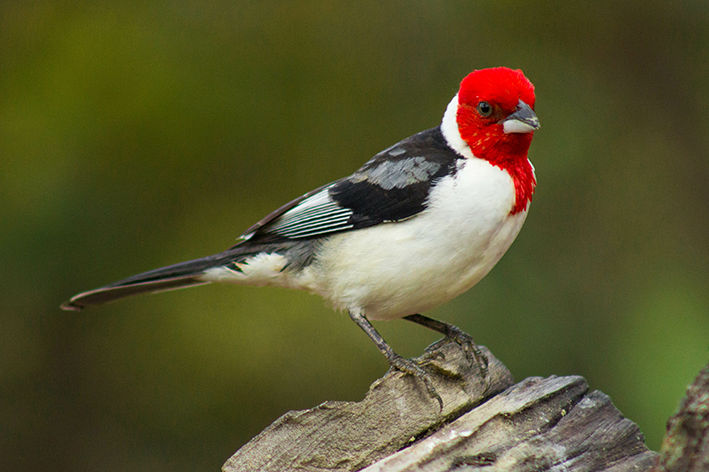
{"type": "Point", "coordinates": [395, 360]}
{"type": "Point", "coordinates": [472, 351]}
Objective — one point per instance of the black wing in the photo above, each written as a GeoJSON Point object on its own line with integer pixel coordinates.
{"type": "Point", "coordinates": [392, 186]}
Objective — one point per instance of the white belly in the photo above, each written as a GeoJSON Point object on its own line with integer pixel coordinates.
{"type": "Point", "coordinates": [397, 269]}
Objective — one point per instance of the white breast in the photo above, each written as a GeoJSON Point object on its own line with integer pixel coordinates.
{"type": "Point", "coordinates": [397, 269]}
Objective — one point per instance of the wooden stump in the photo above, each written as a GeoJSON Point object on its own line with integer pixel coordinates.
{"type": "Point", "coordinates": [538, 424]}
{"type": "Point", "coordinates": [686, 445]}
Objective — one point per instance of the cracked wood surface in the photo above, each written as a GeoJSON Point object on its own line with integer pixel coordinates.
{"type": "Point", "coordinates": [686, 445]}
{"type": "Point", "coordinates": [538, 424]}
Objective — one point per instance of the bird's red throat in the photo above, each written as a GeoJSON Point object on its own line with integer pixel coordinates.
{"type": "Point", "coordinates": [509, 153]}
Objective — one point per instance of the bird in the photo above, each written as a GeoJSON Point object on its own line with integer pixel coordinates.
{"type": "Point", "coordinates": [417, 225]}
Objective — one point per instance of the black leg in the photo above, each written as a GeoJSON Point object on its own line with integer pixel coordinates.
{"type": "Point", "coordinates": [395, 360]}
{"type": "Point", "coordinates": [472, 351]}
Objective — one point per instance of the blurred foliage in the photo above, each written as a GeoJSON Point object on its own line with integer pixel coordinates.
{"type": "Point", "coordinates": [137, 135]}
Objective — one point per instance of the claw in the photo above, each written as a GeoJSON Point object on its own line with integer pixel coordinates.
{"type": "Point", "coordinates": [408, 366]}
{"type": "Point", "coordinates": [472, 351]}
{"type": "Point", "coordinates": [395, 360]}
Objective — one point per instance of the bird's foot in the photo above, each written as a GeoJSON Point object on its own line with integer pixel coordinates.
{"type": "Point", "coordinates": [408, 366]}
{"type": "Point", "coordinates": [464, 340]}
{"type": "Point", "coordinates": [472, 352]}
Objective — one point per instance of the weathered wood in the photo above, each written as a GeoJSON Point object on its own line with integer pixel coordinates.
{"type": "Point", "coordinates": [686, 445]}
{"type": "Point", "coordinates": [538, 424]}
{"type": "Point", "coordinates": [395, 412]}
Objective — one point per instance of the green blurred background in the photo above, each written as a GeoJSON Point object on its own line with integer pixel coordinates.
{"type": "Point", "coordinates": [134, 136]}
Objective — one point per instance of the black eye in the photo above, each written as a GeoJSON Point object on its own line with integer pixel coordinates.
{"type": "Point", "coordinates": [485, 109]}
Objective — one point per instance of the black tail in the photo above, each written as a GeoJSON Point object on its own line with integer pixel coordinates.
{"type": "Point", "coordinates": [185, 274]}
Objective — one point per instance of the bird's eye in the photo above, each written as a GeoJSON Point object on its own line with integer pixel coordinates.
{"type": "Point", "coordinates": [485, 109]}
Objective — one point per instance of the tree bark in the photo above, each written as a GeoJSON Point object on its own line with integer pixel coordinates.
{"type": "Point", "coordinates": [686, 445]}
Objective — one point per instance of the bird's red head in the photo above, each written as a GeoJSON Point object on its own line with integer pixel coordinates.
{"type": "Point", "coordinates": [496, 119]}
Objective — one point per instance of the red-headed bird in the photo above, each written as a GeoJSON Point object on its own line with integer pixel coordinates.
{"type": "Point", "coordinates": [417, 225]}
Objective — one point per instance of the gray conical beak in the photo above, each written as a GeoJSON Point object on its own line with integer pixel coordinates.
{"type": "Point", "coordinates": [523, 120]}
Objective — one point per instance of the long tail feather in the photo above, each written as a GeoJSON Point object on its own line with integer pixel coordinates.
{"type": "Point", "coordinates": [110, 294]}
{"type": "Point", "coordinates": [185, 274]}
